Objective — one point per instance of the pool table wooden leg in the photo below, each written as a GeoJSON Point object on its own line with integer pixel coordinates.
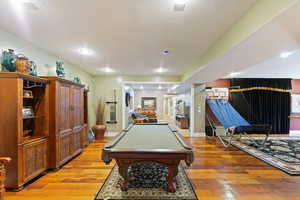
{"type": "Point", "coordinates": [123, 171]}
{"type": "Point", "coordinates": [173, 171]}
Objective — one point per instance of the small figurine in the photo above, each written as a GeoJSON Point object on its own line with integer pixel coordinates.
{"type": "Point", "coordinates": [59, 69]}
{"type": "Point", "coordinates": [77, 80]}
{"type": "Point", "coordinates": [9, 60]}
{"type": "Point", "coordinates": [32, 68]}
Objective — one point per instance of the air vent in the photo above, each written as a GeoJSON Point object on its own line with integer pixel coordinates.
{"type": "Point", "coordinates": [179, 7]}
{"type": "Point", "coordinates": [30, 6]}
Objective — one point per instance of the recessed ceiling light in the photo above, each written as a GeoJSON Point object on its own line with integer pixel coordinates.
{"type": "Point", "coordinates": [165, 52]}
{"type": "Point", "coordinates": [107, 70]}
{"type": "Point", "coordinates": [159, 87]}
{"type": "Point", "coordinates": [141, 87]}
{"type": "Point", "coordinates": [85, 51]}
{"type": "Point", "coordinates": [285, 54]}
{"type": "Point", "coordinates": [161, 70]}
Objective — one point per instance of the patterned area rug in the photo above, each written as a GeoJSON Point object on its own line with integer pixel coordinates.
{"type": "Point", "coordinates": [280, 152]}
{"type": "Point", "coordinates": [147, 182]}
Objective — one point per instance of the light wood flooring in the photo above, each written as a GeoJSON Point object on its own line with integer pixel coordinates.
{"type": "Point", "coordinates": [217, 174]}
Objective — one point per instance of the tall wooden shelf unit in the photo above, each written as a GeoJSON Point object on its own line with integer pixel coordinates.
{"type": "Point", "coordinates": [66, 120]}
{"type": "Point", "coordinates": [23, 138]}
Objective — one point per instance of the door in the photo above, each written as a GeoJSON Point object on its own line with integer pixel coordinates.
{"type": "Point", "coordinates": [64, 122]}
{"type": "Point", "coordinates": [64, 108]}
{"type": "Point", "coordinates": [77, 107]}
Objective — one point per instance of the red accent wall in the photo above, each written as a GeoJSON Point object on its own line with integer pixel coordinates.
{"type": "Point", "coordinates": [296, 86]}
{"type": "Point", "coordinates": [220, 83]}
{"type": "Point", "coordinates": [295, 123]}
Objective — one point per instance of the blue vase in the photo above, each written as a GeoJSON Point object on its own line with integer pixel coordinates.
{"type": "Point", "coordinates": [9, 60]}
{"type": "Point", "coordinates": [32, 68]}
{"type": "Point", "coordinates": [60, 69]}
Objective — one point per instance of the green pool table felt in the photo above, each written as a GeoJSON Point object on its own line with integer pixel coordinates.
{"type": "Point", "coordinates": [149, 137]}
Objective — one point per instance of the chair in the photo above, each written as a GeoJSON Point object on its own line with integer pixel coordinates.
{"type": "Point", "coordinates": [2, 176]}
{"type": "Point", "coordinates": [233, 122]}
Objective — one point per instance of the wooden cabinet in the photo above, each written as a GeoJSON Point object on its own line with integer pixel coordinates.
{"type": "Point", "coordinates": [182, 122]}
{"type": "Point", "coordinates": [24, 126]}
{"type": "Point", "coordinates": [66, 120]}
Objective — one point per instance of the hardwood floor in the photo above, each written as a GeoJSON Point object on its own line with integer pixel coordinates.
{"type": "Point", "coordinates": [217, 174]}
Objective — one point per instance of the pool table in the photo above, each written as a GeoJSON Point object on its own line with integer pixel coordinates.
{"type": "Point", "coordinates": [148, 143]}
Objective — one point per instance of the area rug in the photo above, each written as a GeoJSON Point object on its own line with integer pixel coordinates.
{"type": "Point", "coordinates": [280, 152]}
{"type": "Point", "coordinates": [146, 182]}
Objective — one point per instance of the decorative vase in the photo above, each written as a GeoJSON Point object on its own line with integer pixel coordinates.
{"type": "Point", "coordinates": [9, 60]}
{"type": "Point", "coordinates": [22, 64]}
{"type": "Point", "coordinates": [99, 131]}
{"type": "Point", "coordinates": [32, 68]}
{"type": "Point", "coordinates": [60, 71]}
{"type": "Point", "coordinates": [77, 79]}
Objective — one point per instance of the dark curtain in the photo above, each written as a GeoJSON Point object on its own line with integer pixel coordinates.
{"type": "Point", "coordinates": [264, 106]}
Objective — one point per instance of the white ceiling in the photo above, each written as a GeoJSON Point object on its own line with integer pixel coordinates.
{"type": "Point", "coordinates": [258, 56]}
{"type": "Point", "coordinates": [126, 35]}
{"type": "Point", "coordinates": [275, 67]}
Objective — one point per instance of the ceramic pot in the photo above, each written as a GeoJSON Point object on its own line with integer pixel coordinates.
{"type": "Point", "coordinates": [32, 68]}
{"type": "Point", "coordinates": [9, 60]}
{"type": "Point", "coordinates": [99, 131]}
{"type": "Point", "coordinates": [60, 69]}
{"type": "Point", "coordinates": [22, 65]}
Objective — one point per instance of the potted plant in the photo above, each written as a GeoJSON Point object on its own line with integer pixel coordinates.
{"type": "Point", "coordinates": [99, 128]}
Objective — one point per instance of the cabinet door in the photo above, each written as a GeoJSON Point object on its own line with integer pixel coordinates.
{"type": "Point", "coordinates": [64, 111]}
{"type": "Point", "coordinates": [77, 107]}
{"type": "Point", "coordinates": [29, 161]}
{"type": "Point", "coordinates": [65, 146]}
{"type": "Point", "coordinates": [34, 159]}
{"type": "Point", "coordinates": [77, 140]}
{"type": "Point", "coordinates": [41, 156]}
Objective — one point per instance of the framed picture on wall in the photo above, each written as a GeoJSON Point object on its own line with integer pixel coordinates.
{"type": "Point", "coordinates": [295, 104]}
{"type": "Point", "coordinates": [149, 103]}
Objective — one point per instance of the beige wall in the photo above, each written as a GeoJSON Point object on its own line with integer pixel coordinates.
{"type": "Point", "coordinates": [158, 94]}
{"type": "Point", "coordinates": [104, 86]}
{"type": "Point", "coordinates": [46, 63]}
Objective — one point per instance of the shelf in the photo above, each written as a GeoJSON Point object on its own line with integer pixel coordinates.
{"type": "Point", "coordinates": [34, 117]}
{"type": "Point", "coordinates": [111, 102]}
{"type": "Point", "coordinates": [111, 122]}
{"type": "Point", "coordinates": [33, 138]}
{"type": "Point", "coordinates": [29, 97]}
{"type": "Point", "coordinates": [295, 117]}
